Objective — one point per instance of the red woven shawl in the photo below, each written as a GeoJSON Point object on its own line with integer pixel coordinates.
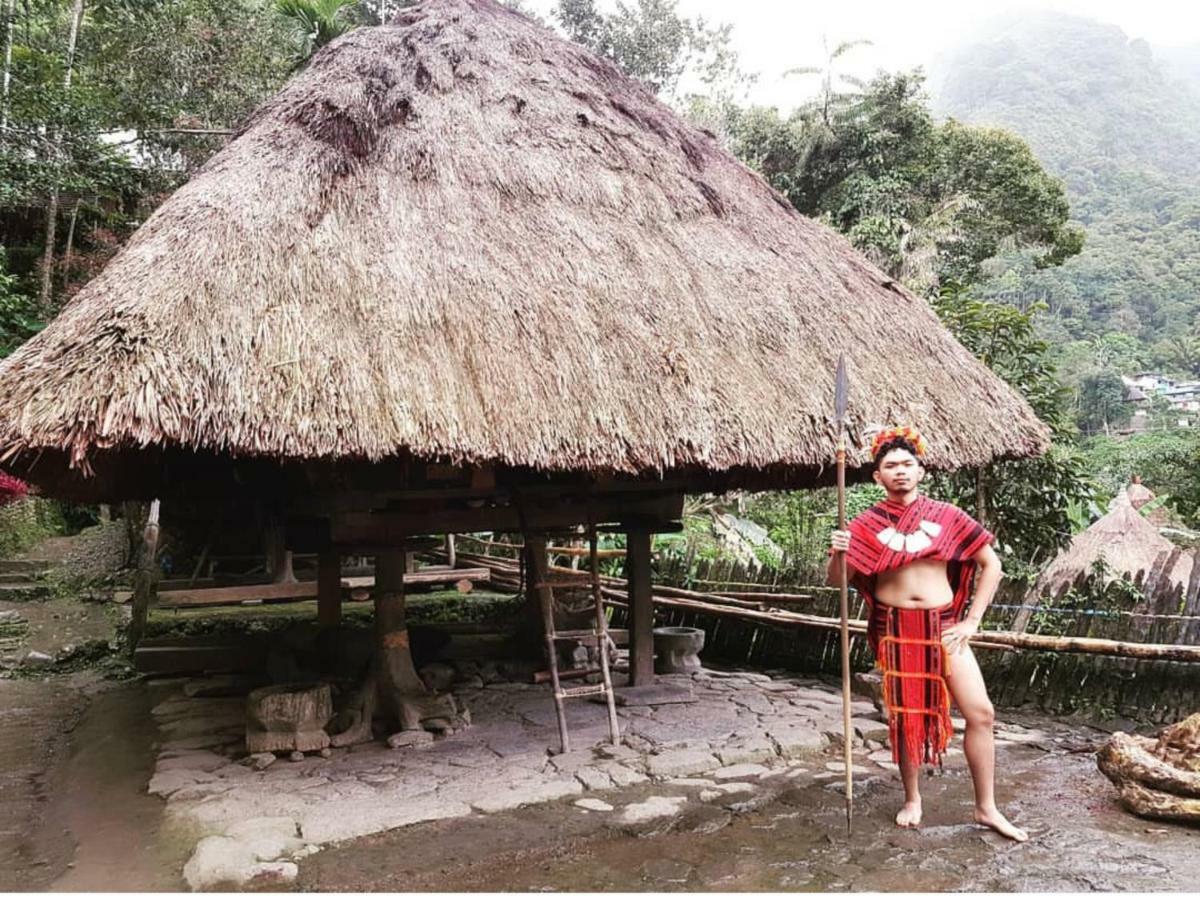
{"type": "Point", "coordinates": [890, 535]}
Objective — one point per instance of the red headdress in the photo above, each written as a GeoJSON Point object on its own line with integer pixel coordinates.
{"type": "Point", "coordinates": [903, 432]}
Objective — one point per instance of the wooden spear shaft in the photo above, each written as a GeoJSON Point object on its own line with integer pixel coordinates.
{"type": "Point", "coordinates": [845, 634]}
{"type": "Point", "coordinates": [840, 401]}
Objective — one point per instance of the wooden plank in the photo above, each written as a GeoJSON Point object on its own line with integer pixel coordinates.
{"type": "Point", "coordinates": [297, 590]}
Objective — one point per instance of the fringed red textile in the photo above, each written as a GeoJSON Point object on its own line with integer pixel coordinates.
{"type": "Point", "coordinates": [914, 665]}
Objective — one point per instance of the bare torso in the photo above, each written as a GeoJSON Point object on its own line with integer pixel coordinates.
{"type": "Point", "coordinates": [922, 584]}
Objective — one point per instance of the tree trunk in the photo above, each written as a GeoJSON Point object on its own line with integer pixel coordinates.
{"type": "Point", "coordinates": [10, 14]}
{"type": "Point", "coordinates": [279, 557]}
{"type": "Point", "coordinates": [52, 207]}
{"type": "Point", "coordinates": [145, 579]}
{"type": "Point", "coordinates": [66, 266]}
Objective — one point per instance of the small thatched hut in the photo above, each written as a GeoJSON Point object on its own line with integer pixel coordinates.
{"type": "Point", "coordinates": [1129, 546]}
{"type": "Point", "coordinates": [459, 264]}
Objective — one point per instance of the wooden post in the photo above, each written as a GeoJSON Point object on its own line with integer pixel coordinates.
{"type": "Point", "coordinates": [329, 588]}
{"type": "Point", "coordinates": [144, 579]}
{"type": "Point", "coordinates": [641, 608]}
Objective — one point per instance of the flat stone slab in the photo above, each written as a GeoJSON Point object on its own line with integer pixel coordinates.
{"type": "Point", "coordinates": [653, 694]}
{"type": "Point", "coordinates": [680, 762]}
{"type": "Point", "coordinates": [594, 804]}
{"type": "Point", "coordinates": [740, 772]}
{"type": "Point", "coordinates": [652, 808]}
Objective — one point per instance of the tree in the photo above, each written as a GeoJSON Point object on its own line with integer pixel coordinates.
{"type": "Point", "coordinates": [1032, 505]}
{"type": "Point", "coordinates": [651, 41]}
{"type": "Point", "coordinates": [929, 203]}
{"type": "Point", "coordinates": [1102, 402]}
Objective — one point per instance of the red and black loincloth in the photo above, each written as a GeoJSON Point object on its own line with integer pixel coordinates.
{"type": "Point", "coordinates": [909, 653]}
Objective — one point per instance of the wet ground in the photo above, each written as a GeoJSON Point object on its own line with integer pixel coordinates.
{"type": "Point", "coordinates": [74, 813]}
{"type": "Point", "coordinates": [792, 837]}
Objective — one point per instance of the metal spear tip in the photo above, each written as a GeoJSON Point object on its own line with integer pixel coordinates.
{"type": "Point", "coordinates": [841, 389]}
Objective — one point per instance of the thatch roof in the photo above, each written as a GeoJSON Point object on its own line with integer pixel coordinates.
{"type": "Point", "coordinates": [1127, 543]}
{"type": "Point", "coordinates": [459, 236]}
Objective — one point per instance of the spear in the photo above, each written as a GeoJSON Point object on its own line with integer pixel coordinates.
{"type": "Point", "coordinates": [840, 399]}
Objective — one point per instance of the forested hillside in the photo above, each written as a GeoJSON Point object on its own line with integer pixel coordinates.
{"type": "Point", "coordinates": [1123, 131]}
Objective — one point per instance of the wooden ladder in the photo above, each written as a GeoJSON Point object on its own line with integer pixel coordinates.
{"type": "Point", "coordinates": [545, 584]}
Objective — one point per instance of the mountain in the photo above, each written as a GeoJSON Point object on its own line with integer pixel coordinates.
{"type": "Point", "coordinates": [1123, 131]}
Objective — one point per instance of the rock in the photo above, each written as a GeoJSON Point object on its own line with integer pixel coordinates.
{"type": "Point", "coordinates": [616, 751]}
{"type": "Point", "coordinates": [569, 762]}
{"type": "Point", "coordinates": [870, 729]}
{"type": "Point", "coordinates": [691, 782]}
{"type": "Point", "coordinates": [325, 753]}
{"type": "Point", "coordinates": [593, 779]}
{"type": "Point", "coordinates": [680, 762]}
{"type": "Point", "coordinates": [197, 761]}
{"type": "Point", "coordinates": [593, 804]}
{"type": "Point", "coordinates": [438, 676]}
{"type": "Point", "coordinates": [742, 771]}
{"type": "Point", "coordinates": [622, 776]}
{"type": "Point", "coordinates": [219, 860]}
{"type": "Point", "coordinates": [752, 749]}
{"type": "Point", "coordinates": [167, 783]}
{"type": "Point", "coordinates": [524, 793]}
{"type": "Point", "coordinates": [834, 766]}
{"type": "Point", "coordinates": [38, 660]}
{"type": "Point", "coordinates": [413, 738]}
{"type": "Point", "coordinates": [797, 740]}
{"type": "Point", "coordinates": [734, 787]}
{"type": "Point", "coordinates": [438, 724]}
{"type": "Point", "coordinates": [651, 808]}
{"type": "Point", "coordinates": [296, 756]}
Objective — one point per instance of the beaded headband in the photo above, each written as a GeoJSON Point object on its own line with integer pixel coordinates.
{"type": "Point", "coordinates": [904, 432]}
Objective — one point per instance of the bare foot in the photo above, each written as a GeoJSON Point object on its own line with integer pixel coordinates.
{"type": "Point", "coordinates": [995, 820]}
{"type": "Point", "coordinates": [909, 815]}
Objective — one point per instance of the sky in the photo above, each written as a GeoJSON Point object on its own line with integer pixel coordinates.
{"type": "Point", "coordinates": [774, 35]}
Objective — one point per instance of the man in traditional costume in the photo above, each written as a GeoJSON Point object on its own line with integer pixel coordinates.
{"type": "Point", "coordinates": [914, 559]}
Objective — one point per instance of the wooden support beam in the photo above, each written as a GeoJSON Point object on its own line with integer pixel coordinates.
{"type": "Point", "coordinates": [298, 590]}
{"type": "Point", "coordinates": [383, 528]}
{"type": "Point", "coordinates": [641, 613]}
{"type": "Point", "coordinates": [329, 588]}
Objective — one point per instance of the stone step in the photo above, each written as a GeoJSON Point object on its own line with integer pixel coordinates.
{"type": "Point", "coordinates": [11, 566]}
{"type": "Point", "coordinates": [23, 591]}
{"type": "Point", "coordinates": [18, 577]}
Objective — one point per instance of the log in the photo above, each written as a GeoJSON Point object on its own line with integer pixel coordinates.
{"type": "Point", "coordinates": [1152, 804]}
{"type": "Point", "coordinates": [1128, 758]}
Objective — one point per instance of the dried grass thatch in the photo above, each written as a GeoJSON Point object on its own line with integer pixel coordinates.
{"type": "Point", "coordinates": [460, 237]}
{"type": "Point", "coordinates": [1127, 543]}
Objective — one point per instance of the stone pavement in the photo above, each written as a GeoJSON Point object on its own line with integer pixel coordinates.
{"type": "Point", "coordinates": [252, 817]}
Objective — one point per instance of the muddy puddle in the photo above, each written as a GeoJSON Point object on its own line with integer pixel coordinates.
{"type": "Point", "coordinates": [793, 838]}
{"type": "Point", "coordinates": [77, 754]}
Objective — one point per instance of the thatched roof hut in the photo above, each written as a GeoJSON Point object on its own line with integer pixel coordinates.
{"type": "Point", "coordinates": [459, 237]}
{"type": "Point", "coordinates": [1127, 543]}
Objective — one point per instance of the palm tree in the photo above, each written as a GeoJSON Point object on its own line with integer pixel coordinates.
{"type": "Point", "coordinates": [316, 22]}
